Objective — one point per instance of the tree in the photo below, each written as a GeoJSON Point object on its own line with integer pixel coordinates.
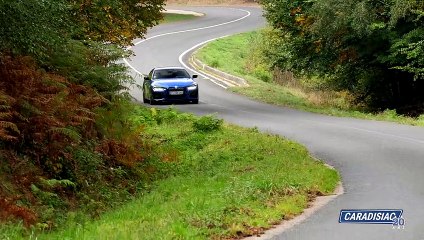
{"type": "Point", "coordinates": [115, 21]}
{"type": "Point", "coordinates": [371, 48]}
{"type": "Point", "coordinates": [32, 26]}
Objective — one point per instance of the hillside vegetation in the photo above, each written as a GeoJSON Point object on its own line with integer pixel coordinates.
{"type": "Point", "coordinates": [66, 141]}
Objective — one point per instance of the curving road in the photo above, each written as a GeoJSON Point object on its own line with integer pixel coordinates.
{"type": "Point", "coordinates": [382, 164]}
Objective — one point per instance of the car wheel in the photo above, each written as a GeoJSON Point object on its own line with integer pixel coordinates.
{"type": "Point", "coordinates": [195, 101]}
{"type": "Point", "coordinates": [153, 102]}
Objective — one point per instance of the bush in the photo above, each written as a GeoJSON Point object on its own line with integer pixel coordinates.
{"type": "Point", "coordinates": [207, 123]}
{"type": "Point", "coordinates": [256, 62]}
{"type": "Point", "coordinates": [262, 74]}
{"type": "Point", "coordinates": [91, 64]}
{"type": "Point", "coordinates": [215, 63]}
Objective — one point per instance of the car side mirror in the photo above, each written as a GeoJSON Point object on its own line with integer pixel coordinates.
{"type": "Point", "coordinates": [195, 76]}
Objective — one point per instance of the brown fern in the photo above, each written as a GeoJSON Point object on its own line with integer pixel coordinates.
{"type": "Point", "coordinates": [8, 129]}
{"type": "Point", "coordinates": [43, 119]}
{"type": "Point", "coordinates": [9, 210]}
{"type": "Point", "coordinates": [43, 110]}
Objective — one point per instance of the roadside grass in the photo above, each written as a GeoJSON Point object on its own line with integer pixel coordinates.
{"type": "Point", "coordinates": [234, 55]}
{"type": "Point", "coordinates": [211, 180]}
{"type": "Point", "coordinates": [176, 17]}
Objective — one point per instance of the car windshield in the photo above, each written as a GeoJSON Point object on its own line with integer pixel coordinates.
{"type": "Point", "coordinates": [170, 73]}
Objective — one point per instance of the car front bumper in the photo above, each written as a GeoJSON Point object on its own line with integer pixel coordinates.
{"type": "Point", "coordinates": [165, 96]}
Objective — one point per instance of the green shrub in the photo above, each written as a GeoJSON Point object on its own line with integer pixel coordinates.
{"type": "Point", "coordinates": [165, 115]}
{"type": "Point", "coordinates": [162, 116]}
{"type": "Point", "coordinates": [215, 63]}
{"type": "Point", "coordinates": [89, 161]}
{"type": "Point", "coordinates": [262, 74]}
{"type": "Point", "coordinates": [207, 123]}
{"type": "Point", "coordinates": [390, 113]}
{"type": "Point", "coordinates": [92, 64]}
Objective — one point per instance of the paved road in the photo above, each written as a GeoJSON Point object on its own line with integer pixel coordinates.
{"type": "Point", "coordinates": [382, 164]}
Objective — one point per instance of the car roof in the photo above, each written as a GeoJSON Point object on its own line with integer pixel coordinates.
{"type": "Point", "coordinates": [165, 68]}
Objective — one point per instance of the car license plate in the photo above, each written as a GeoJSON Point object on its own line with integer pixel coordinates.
{"type": "Point", "coordinates": [176, 92]}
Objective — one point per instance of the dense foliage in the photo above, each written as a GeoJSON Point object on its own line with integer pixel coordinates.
{"type": "Point", "coordinates": [115, 21]}
{"type": "Point", "coordinates": [66, 137]}
{"type": "Point", "coordinates": [374, 49]}
{"type": "Point", "coordinates": [33, 27]}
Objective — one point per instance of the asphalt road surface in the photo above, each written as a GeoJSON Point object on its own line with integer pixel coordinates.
{"type": "Point", "coordinates": [381, 164]}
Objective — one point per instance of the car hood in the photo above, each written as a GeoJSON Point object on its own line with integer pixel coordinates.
{"type": "Point", "coordinates": [168, 83]}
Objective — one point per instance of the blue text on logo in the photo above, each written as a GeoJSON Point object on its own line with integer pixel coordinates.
{"type": "Point", "coordinates": [370, 216]}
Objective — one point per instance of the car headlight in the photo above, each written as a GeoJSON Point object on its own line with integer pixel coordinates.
{"type": "Point", "coordinates": [159, 89]}
{"type": "Point", "coordinates": [192, 88]}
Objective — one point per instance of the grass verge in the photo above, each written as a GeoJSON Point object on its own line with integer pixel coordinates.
{"type": "Point", "coordinates": [209, 180]}
{"type": "Point", "coordinates": [176, 17]}
{"type": "Point", "coordinates": [234, 55]}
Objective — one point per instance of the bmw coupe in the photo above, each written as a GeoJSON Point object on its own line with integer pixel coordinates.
{"type": "Point", "coordinates": [170, 84]}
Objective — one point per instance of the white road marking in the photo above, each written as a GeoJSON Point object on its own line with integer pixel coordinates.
{"type": "Point", "coordinates": [197, 29]}
{"type": "Point", "coordinates": [180, 59]}
{"type": "Point", "coordinates": [191, 30]}
{"type": "Point", "coordinates": [133, 68]}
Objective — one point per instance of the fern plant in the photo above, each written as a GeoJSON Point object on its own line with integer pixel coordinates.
{"type": "Point", "coordinates": [8, 129]}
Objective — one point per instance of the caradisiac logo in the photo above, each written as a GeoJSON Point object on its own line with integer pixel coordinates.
{"type": "Point", "coordinates": [373, 216]}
